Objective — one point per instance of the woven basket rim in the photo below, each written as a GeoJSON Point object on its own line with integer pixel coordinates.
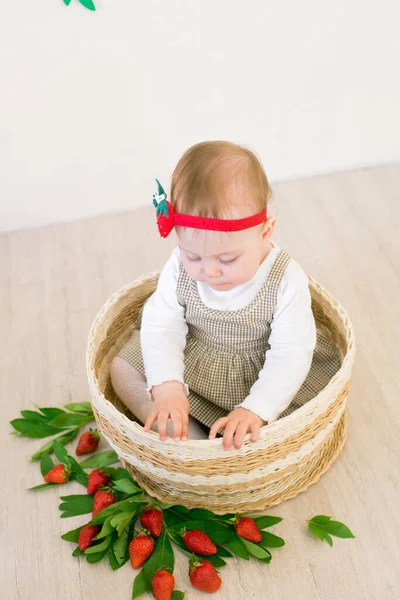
{"type": "Point", "coordinates": [343, 372]}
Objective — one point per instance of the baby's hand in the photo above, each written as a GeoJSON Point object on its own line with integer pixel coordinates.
{"type": "Point", "coordinates": [170, 401]}
{"type": "Point", "coordinates": [236, 425]}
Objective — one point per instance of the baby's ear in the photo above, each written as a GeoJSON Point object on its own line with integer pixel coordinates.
{"type": "Point", "coordinates": [268, 227]}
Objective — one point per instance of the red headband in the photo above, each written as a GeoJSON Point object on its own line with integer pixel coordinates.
{"type": "Point", "coordinates": [167, 219]}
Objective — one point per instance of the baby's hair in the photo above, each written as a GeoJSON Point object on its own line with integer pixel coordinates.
{"type": "Point", "coordinates": [219, 180]}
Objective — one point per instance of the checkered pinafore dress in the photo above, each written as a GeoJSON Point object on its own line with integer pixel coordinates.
{"type": "Point", "coordinates": [225, 350]}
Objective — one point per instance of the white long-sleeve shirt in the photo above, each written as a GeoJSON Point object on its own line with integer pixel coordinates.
{"type": "Point", "coordinates": [292, 339]}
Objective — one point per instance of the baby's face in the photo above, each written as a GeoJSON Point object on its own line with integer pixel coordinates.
{"type": "Point", "coordinates": [223, 260]}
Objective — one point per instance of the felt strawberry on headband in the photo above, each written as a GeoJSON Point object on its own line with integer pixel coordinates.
{"type": "Point", "coordinates": [167, 219]}
{"type": "Point", "coordinates": [164, 211]}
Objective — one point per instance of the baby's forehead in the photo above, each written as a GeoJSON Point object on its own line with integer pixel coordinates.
{"type": "Point", "coordinates": [214, 243]}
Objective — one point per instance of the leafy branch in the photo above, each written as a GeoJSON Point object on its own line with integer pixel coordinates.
{"type": "Point", "coordinates": [322, 527]}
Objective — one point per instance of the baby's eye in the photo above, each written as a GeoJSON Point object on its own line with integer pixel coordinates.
{"type": "Point", "coordinates": [192, 259]}
{"type": "Point", "coordinates": [229, 262]}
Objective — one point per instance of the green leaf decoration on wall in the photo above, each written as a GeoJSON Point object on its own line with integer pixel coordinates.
{"type": "Point", "coordinates": [86, 3]}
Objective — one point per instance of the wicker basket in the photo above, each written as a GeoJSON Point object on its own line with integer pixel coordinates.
{"type": "Point", "coordinates": [291, 454]}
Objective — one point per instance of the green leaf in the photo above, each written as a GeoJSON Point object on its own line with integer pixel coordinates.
{"type": "Point", "coordinates": [83, 408]}
{"type": "Point", "coordinates": [77, 552]}
{"type": "Point", "coordinates": [81, 478]}
{"type": "Point", "coordinates": [77, 499]}
{"type": "Point", "coordinates": [316, 530]}
{"type": "Point", "coordinates": [140, 585]}
{"type": "Point", "coordinates": [99, 460]}
{"type": "Point", "coordinates": [67, 420]}
{"type": "Point", "coordinates": [106, 529]}
{"type": "Point", "coordinates": [60, 452]}
{"type": "Point", "coordinates": [95, 558]}
{"type": "Point", "coordinates": [266, 521]}
{"type": "Point", "coordinates": [215, 560]}
{"type": "Point", "coordinates": [73, 535]}
{"type": "Point", "coordinates": [338, 529]}
{"type": "Point", "coordinates": [177, 539]}
{"type": "Point", "coordinates": [125, 486]}
{"type": "Point", "coordinates": [42, 486]}
{"type": "Point", "coordinates": [46, 464]}
{"type": "Point", "coordinates": [321, 519]}
{"type": "Point", "coordinates": [256, 551]}
{"type": "Point", "coordinates": [99, 547]}
{"type": "Point", "coordinates": [162, 557]}
{"type": "Point", "coordinates": [48, 448]}
{"type": "Point", "coordinates": [269, 540]}
{"type": "Point", "coordinates": [34, 417]}
{"type": "Point", "coordinates": [197, 514]}
{"type": "Point", "coordinates": [223, 552]}
{"type": "Point", "coordinates": [112, 560]}
{"type": "Point", "coordinates": [120, 547]}
{"type": "Point", "coordinates": [51, 413]}
{"type": "Point", "coordinates": [116, 474]}
{"type": "Point", "coordinates": [172, 517]}
{"type": "Point", "coordinates": [179, 508]}
{"type": "Point", "coordinates": [266, 560]}
{"type": "Point", "coordinates": [88, 4]}
{"type": "Point", "coordinates": [132, 503]}
{"type": "Point", "coordinates": [121, 521]}
{"type": "Point", "coordinates": [177, 595]}
{"type": "Point", "coordinates": [76, 505]}
{"type": "Point", "coordinates": [321, 526]}
{"type": "Point", "coordinates": [34, 430]}
{"type": "Point", "coordinates": [226, 517]}
{"type": "Point", "coordinates": [236, 545]}
{"type": "Point", "coordinates": [76, 467]}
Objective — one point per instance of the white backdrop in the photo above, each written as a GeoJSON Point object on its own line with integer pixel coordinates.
{"type": "Point", "coordinates": [93, 106]}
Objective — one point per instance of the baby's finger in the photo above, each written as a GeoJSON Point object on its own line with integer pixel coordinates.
{"type": "Point", "coordinates": [241, 431]}
{"type": "Point", "coordinates": [162, 424]}
{"type": "Point", "coordinates": [185, 426]}
{"type": "Point", "coordinates": [176, 418]}
{"type": "Point", "coordinates": [255, 432]}
{"type": "Point", "coordinates": [150, 420]}
{"type": "Point", "coordinates": [219, 424]}
{"type": "Point", "coordinates": [229, 433]}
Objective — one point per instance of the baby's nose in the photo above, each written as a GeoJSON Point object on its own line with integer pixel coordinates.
{"type": "Point", "coordinates": [212, 271]}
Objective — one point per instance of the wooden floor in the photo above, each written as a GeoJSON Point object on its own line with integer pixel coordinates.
{"type": "Point", "coordinates": [344, 230]}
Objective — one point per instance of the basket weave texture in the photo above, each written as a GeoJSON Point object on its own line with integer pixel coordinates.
{"type": "Point", "coordinates": [291, 454]}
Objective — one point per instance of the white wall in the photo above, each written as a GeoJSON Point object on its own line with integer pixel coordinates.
{"type": "Point", "coordinates": [93, 106]}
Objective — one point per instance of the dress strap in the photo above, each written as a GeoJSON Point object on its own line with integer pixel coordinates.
{"type": "Point", "coordinates": [275, 276]}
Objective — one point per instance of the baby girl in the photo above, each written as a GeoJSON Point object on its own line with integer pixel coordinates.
{"type": "Point", "coordinates": [228, 338]}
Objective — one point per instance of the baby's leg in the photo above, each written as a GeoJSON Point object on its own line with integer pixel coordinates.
{"type": "Point", "coordinates": [130, 385]}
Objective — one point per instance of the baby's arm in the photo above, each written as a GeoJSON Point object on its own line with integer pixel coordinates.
{"type": "Point", "coordinates": [163, 340]}
{"type": "Point", "coordinates": [287, 362]}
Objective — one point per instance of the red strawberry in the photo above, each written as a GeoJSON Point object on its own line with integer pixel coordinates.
{"type": "Point", "coordinates": [203, 576]}
{"type": "Point", "coordinates": [88, 442]}
{"type": "Point", "coordinates": [152, 519]}
{"type": "Point", "coordinates": [102, 499]}
{"type": "Point", "coordinates": [140, 548]}
{"type": "Point", "coordinates": [198, 542]}
{"type": "Point", "coordinates": [86, 536]}
{"type": "Point", "coordinates": [163, 585]}
{"type": "Point", "coordinates": [58, 474]}
{"type": "Point", "coordinates": [96, 479]}
{"type": "Point", "coordinates": [248, 530]}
